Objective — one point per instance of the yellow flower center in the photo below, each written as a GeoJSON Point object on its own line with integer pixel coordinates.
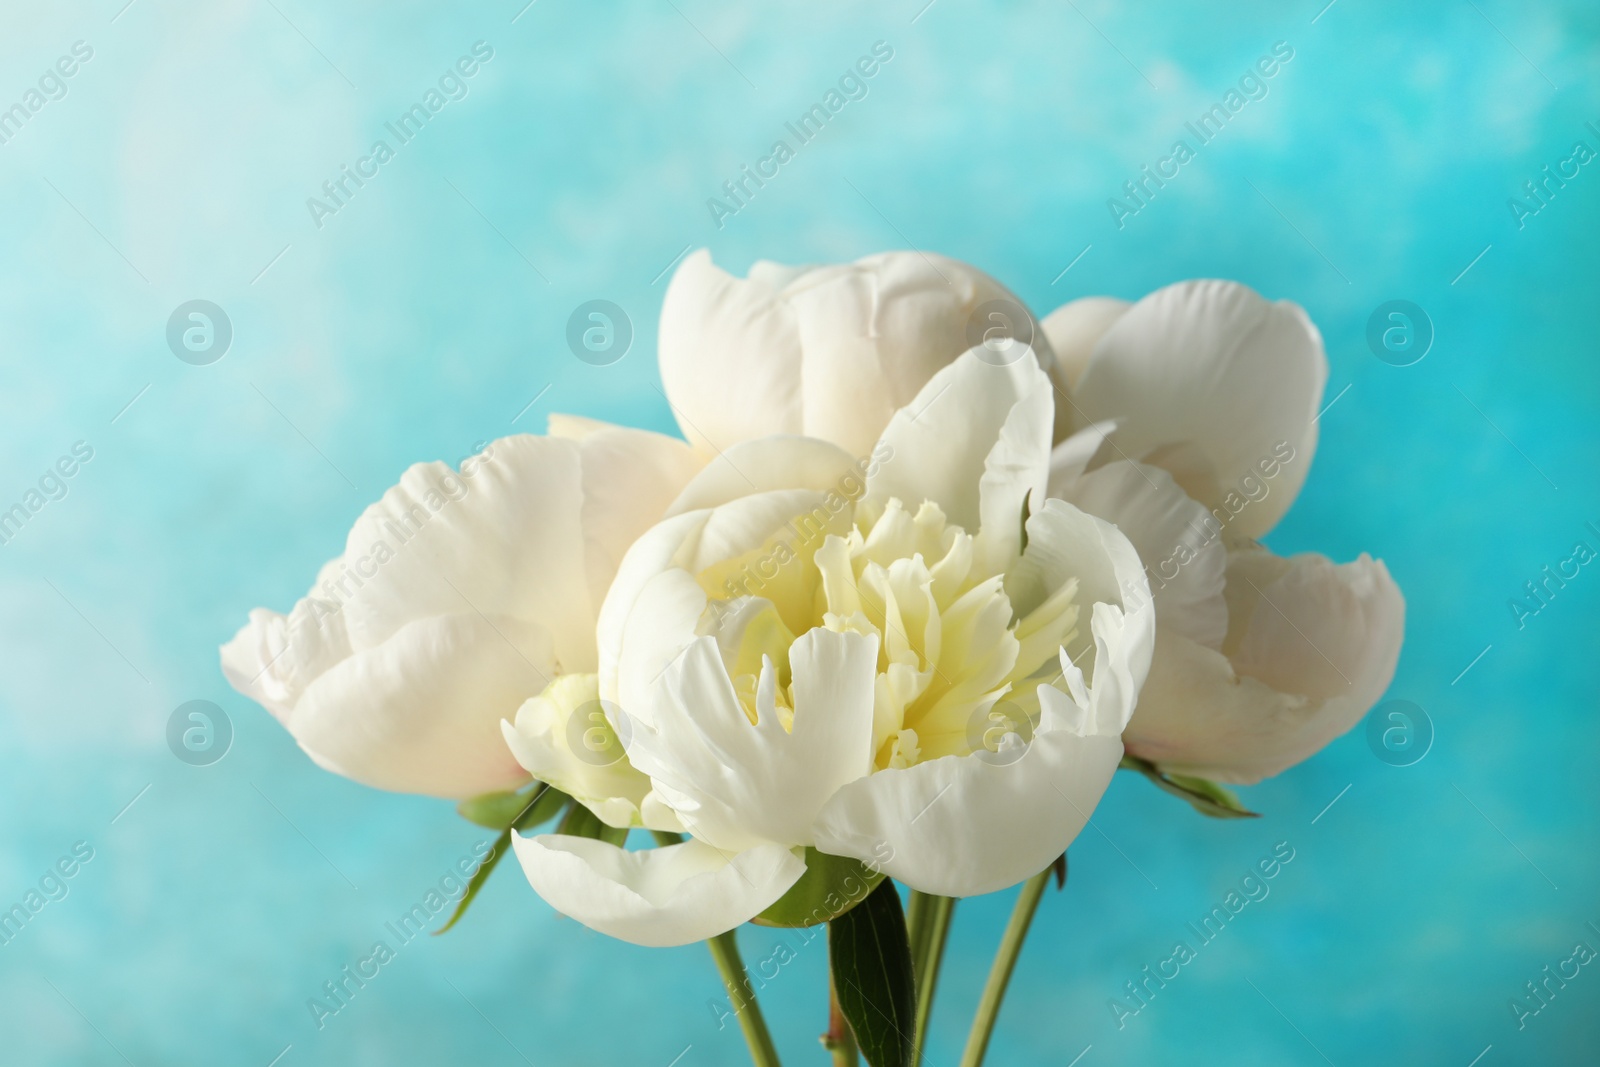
{"type": "Point", "coordinates": [950, 646]}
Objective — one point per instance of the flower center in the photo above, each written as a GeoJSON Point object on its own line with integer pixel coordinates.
{"type": "Point", "coordinates": [950, 646]}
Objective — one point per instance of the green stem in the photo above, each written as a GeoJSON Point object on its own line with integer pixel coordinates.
{"type": "Point", "coordinates": [927, 953]}
{"type": "Point", "coordinates": [725, 950]}
{"type": "Point", "coordinates": [840, 1039]}
{"type": "Point", "coordinates": [1005, 960]}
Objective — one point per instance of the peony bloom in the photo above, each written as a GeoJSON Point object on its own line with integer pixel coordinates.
{"type": "Point", "coordinates": [1199, 405]}
{"type": "Point", "coordinates": [828, 352]}
{"type": "Point", "coordinates": [458, 597]}
{"type": "Point", "coordinates": [915, 662]}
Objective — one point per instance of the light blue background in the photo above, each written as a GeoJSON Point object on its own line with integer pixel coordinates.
{"type": "Point", "coordinates": [409, 327]}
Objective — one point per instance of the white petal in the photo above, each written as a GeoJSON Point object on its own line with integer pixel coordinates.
{"type": "Point", "coordinates": [421, 712]}
{"type": "Point", "coordinates": [770, 463]}
{"type": "Point", "coordinates": [736, 784]}
{"type": "Point", "coordinates": [657, 897]}
{"type": "Point", "coordinates": [506, 540]}
{"type": "Point", "coordinates": [961, 826]}
{"type": "Point", "coordinates": [274, 657]}
{"type": "Point", "coordinates": [564, 737]}
{"type": "Point", "coordinates": [682, 547]}
{"type": "Point", "coordinates": [829, 352]}
{"type": "Point", "coordinates": [1075, 328]}
{"type": "Point", "coordinates": [1065, 543]}
{"type": "Point", "coordinates": [1214, 364]}
{"type": "Point", "coordinates": [1313, 647]}
{"type": "Point", "coordinates": [730, 353]}
{"type": "Point", "coordinates": [629, 479]}
{"type": "Point", "coordinates": [940, 445]}
{"type": "Point", "coordinates": [1177, 539]}
{"type": "Point", "coordinates": [1307, 625]}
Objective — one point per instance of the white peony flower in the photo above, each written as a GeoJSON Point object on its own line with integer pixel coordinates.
{"type": "Point", "coordinates": [815, 656]}
{"type": "Point", "coordinates": [1203, 398]}
{"type": "Point", "coordinates": [829, 352]}
{"type": "Point", "coordinates": [458, 597]}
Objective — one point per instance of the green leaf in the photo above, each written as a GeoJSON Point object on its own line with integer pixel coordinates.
{"type": "Point", "coordinates": [493, 810]}
{"type": "Point", "coordinates": [1207, 796]}
{"type": "Point", "coordinates": [540, 809]}
{"type": "Point", "coordinates": [871, 960]}
{"type": "Point", "coordinates": [581, 822]}
{"type": "Point", "coordinates": [831, 886]}
{"type": "Point", "coordinates": [502, 845]}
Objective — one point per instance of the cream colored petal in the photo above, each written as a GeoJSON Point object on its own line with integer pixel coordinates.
{"type": "Point", "coordinates": [505, 539]}
{"type": "Point", "coordinates": [961, 826]}
{"type": "Point", "coordinates": [564, 737]}
{"type": "Point", "coordinates": [730, 356]}
{"type": "Point", "coordinates": [940, 446]}
{"type": "Point", "coordinates": [1311, 647]}
{"type": "Point", "coordinates": [1113, 651]}
{"type": "Point", "coordinates": [829, 352]}
{"type": "Point", "coordinates": [1075, 328]}
{"type": "Point", "coordinates": [738, 784]}
{"type": "Point", "coordinates": [772, 463]}
{"type": "Point", "coordinates": [1179, 542]}
{"type": "Point", "coordinates": [421, 712]}
{"type": "Point", "coordinates": [1214, 364]}
{"type": "Point", "coordinates": [659, 896]}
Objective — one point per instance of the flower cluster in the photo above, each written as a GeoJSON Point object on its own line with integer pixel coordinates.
{"type": "Point", "coordinates": [898, 607]}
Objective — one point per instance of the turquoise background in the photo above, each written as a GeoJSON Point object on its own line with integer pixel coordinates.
{"type": "Point", "coordinates": [423, 318]}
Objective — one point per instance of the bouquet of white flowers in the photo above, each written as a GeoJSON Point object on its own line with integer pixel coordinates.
{"type": "Point", "coordinates": [926, 573]}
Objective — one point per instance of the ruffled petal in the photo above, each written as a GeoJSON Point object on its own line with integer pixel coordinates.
{"type": "Point", "coordinates": [657, 897]}
{"type": "Point", "coordinates": [736, 784]}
